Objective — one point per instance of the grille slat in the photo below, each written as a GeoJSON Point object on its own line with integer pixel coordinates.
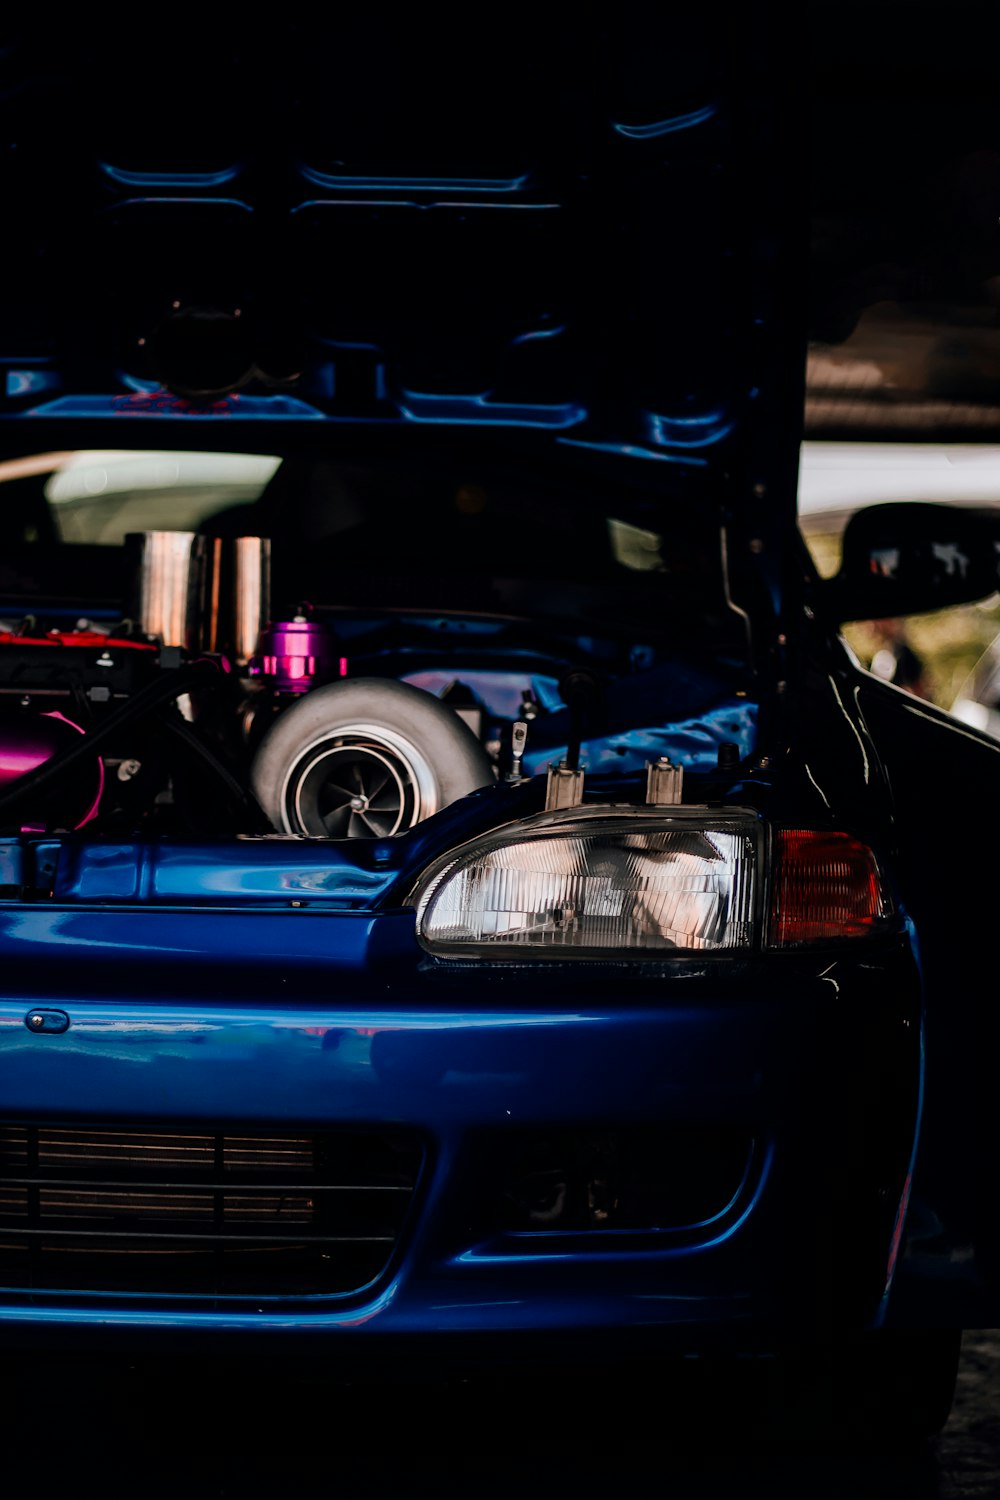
{"type": "Point", "coordinates": [216, 1215]}
{"type": "Point", "coordinates": [168, 1241]}
{"type": "Point", "coordinates": [266, 1185]}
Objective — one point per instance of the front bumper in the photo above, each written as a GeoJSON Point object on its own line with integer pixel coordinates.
{"type": "Point", "coordinates": [815, 1060]}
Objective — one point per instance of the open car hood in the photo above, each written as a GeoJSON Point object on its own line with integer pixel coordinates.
{"type": "Point", "coordinates": [559, 234]}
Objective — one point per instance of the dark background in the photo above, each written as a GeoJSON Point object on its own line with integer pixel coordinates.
{"type": "Point", "coordinates": [904, 190]}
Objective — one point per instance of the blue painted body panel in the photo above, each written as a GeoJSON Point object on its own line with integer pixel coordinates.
{"type": "Point", "coordinates": [339, 1019]}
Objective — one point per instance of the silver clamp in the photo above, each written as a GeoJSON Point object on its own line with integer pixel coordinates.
{"type": "Point", "coordinates": [518, 741]}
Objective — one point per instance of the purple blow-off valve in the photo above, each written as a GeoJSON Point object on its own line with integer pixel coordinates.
{"type": "Point", "coordinates": [294, 654]}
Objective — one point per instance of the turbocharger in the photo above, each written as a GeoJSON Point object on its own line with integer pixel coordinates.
{"type": "Point", "coordinates": [364, 758]}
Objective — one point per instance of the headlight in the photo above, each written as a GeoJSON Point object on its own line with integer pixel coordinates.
{"type": "Point", "coordinates": [596, 882]}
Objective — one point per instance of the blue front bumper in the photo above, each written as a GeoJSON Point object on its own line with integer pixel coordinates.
{"type": "Point", "coordinates": [816, 1059]}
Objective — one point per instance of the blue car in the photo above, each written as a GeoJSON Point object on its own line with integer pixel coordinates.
{"type": "Point", "coordinates": [459, 896]}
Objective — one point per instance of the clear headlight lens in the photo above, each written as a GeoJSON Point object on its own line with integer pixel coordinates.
{"type": "Point", "coordinates": [595, 883]}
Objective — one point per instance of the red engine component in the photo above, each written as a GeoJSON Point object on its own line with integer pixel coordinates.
{"type": "Point", "coordinates": [74, 638]}
{"type": "Point", "coordinates": [27, 740]}
{"type": "Point", "coordinates": [42, 679]}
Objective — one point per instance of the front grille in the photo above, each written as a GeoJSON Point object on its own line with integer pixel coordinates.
{"type": "Point", "coordinates": [207, 1214]}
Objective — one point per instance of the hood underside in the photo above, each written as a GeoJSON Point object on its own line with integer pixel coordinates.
{"type": "Point", "coordinates": [563, 235]}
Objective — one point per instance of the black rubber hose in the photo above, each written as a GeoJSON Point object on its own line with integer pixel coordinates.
{"type": "Point", "coordinates": [182, 731]}
{"type": "Point", "coordinates": [578, 690]}
{"type": "Point", "coordinates": [170, 686]}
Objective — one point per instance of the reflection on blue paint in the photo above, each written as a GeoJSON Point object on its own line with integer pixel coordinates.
{"type": "Point", "coordinates": [902, 1208]}
{"type": "Point", "coordinates": [29, 382]}
{"type": "Point", "coordinates": [692, 743]}
{"type": "Point", "coordinates": [502, 693]}
{"type": "Point", "coordinates": [156, 402]}
{"type": "Point", "coordinates": [265, 870]}
{"type": "Point", "coordinates": [170, 179]}
{"type": "Point", "coordinates": [731, 1229]}
{"type": "Point", "coordinates": [546, 690]}
{"type": "Point", "coordinates": [538, 333]}
{"type": "Point", "coordinates": [144, 1316]}
{"type": "Point", "coordinates": [245, 208]}
{"type": "Point", "coordinates": [147, 399]}
{"type": "Point", "coordinates": [666, 127]}
{"type": "Point", "coordinates": [688, 431]}
{"type": "Point", "coordinates": [494, 1302]}
{"type": "Point", "coordinates": [133, 383]}
{"type": "Point", "coordinates": [409, 203]}
{"type": "Point", "coordinates": [633, 450]}
{"type": "Point", "coordinates": [62, 929]}
{"type": "Point", "coordinates": [367, 183]}
{"type": "Point", "coordinates": [417, 407]}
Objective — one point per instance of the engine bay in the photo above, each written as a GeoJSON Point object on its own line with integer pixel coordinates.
{"type": "Point", "coordinates": [243, 685]}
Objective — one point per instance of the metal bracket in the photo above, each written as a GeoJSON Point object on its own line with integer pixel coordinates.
{"type": "Point", "coordinates": [518, 741]}
{"type": "Point", "coordinates": [664, 782]}
{"type": "Point", "coordinates": [564, 787]}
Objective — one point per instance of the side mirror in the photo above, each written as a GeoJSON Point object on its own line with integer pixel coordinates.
{"type": "Point", "coordinates": [908, 558]}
